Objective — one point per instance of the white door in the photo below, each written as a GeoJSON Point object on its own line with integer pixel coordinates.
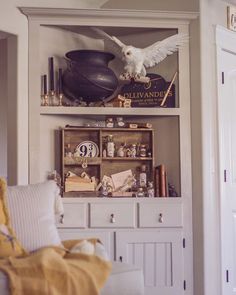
{"type": "Point", "coordinates": [226, 61]}
{"type": "Point", "coordinates": [159, 254]}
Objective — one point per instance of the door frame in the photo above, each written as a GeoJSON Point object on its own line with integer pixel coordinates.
{"type": "Point", "coordinates": [225, 42]}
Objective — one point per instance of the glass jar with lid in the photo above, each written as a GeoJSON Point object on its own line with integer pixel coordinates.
{"type": "Point", "coordinates": [119, 122]}
{"type": "Point", "coordinates": [109, 122]}
{"type": "Point", "coordinates": [142, 151]}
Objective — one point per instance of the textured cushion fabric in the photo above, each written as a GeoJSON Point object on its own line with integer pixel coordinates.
{"type": "Point", "coordinates": [125, 279]}
{"type": "Point", "coordinates": [4, 284]}
{"type": "Point", "coordinates": [32, 212]}
{"type": "Point", "coordinates": [9, 245]}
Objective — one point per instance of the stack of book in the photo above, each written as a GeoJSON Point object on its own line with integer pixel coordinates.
{"type": "Point", "coordinates": [78, 184]}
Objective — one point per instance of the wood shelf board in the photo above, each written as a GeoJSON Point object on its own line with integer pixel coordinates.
{"type": "Point", "coordinates": [105, 129]}
{"type": "Point", "coordinates": [109, 111]}
{"type": "Point", "coordinates": [126, 159]}
{"type": "Point", "coordinates": [79, 165]}
{"type": "Point", "coordinates": [91, 197]}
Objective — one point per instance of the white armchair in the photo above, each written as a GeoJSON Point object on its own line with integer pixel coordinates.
{"type": "Point", "coordinates": [125, 279]}
{"type": "Point", "coordinates": [34, 206]}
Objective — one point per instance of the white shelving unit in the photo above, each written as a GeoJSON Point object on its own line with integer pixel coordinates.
{"type": "Point", "coordinates": [161, 244]}
{"type": "Point", "coordinates": [106, 111]}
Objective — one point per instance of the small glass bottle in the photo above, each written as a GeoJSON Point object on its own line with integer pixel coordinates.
{"type": "Point", "coordinates": [119, 122]}
{"type": "Point", "coordinates": [109, 123]}
{"type": "Point", "coordinates": [133, 150]}
{"type": "Point", "coordinates": [143, 177]}
{"type": "Point", "coordinates": [150, 190]}
{"type": "Point", "coordinates": [121, 150]}
{"type": "Point", "coordinates": [68, 152]}
{"type": "Point", "coordinates": [110, 146]}
{"type": "Point", "coordinates": [104, 191]}
{"type": "Point", "coordinates": [143, 151]}
{"type": "Point", "coordinates": [140, 192]}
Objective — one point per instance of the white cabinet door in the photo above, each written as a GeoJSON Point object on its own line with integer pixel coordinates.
{"type": "Point", "coordinates": [226, 59]}
{"type": "Point", "coordinates": [159, 253]}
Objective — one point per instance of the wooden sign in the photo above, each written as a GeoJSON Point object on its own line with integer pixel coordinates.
{"type": "Point", "coordinates": [151, 94]}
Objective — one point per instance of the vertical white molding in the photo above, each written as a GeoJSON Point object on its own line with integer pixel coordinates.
{"type": "Point", "coordinates": [34, 101]}
{"type": "Point", "coordinates": [198, 262]}
{"type": "Point", "coordinates": [3, 107]}
{"type": "Point", "coordinates": [211, 13]}
{"type": "Point", "coordinates": [12, 114]}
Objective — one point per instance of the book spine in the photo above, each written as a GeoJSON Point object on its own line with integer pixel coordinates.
{"type": "Point", "coordinates": [166, 185]}
{"type": "Point", "coordinates": [157, 182]}
{"type": "Point", "coordinates": [161, 181]}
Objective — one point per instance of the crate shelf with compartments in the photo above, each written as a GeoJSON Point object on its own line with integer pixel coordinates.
{"type": "Point", "coordinates": [84, 150]}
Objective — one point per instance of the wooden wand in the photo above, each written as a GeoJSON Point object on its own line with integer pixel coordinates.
{"type": "Point", "coordinates": [168, 90]}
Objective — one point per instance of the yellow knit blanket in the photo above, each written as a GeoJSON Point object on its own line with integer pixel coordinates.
{"type": "Point", "coordinates": [56, 271]}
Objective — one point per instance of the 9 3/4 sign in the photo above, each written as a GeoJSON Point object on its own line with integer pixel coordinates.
{"type": "Point", "coordinates": [87, 149]}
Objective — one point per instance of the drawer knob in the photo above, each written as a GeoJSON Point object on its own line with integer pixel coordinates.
{"type": "Point", "coordinates": [61, 218]}
{"type": "Point", "coordinates": [160, 219]}
{"type": "Point", "coordinates": [112, 219]}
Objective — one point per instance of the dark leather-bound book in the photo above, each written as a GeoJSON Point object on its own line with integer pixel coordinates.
{"type": "Point", "coordinates": [157, 182]}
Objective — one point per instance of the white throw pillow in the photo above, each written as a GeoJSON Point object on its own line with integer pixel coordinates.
{"type": "Point", "coordinates": [32, 214]}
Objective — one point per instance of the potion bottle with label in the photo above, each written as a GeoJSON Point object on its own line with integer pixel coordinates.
{"type": "Point", "coordinates": [143, 176]}
{"type": "Point", "coordinates": [110, 146]}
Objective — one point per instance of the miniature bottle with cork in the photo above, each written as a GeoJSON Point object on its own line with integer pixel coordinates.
{"type": "Point", "coordinates": [110, 146]}
{"type": "Point", "coordinates": [68, 152]}
{"type": "Point", "coordinates": [143, 176]}
{"type": "Point", "coordinates": [143, 151]}
{"type": "Point", "coordinates": [121, 150]}
{"type": "Point", "coordinates": [109, 122]}
{"type": "Point", "coordinates": [150, 190]}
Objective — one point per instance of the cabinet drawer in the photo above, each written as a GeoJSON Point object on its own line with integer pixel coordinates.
{"type": "Point", "coordinates": [112, 215]}
{"type": "Point", "coordinates": [74, 215]}
{"type": "Point", "coordinates": [160, 215]}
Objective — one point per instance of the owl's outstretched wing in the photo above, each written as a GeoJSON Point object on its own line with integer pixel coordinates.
{"type": "Point", "coordinates": [112, 43]}
{"type": "Point", "coordinates": [158, 51]}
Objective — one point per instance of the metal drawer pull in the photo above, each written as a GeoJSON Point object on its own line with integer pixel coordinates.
{"type": "Point", "coordinates": [112, 219]}
{"type": "Point", "coordinates": [160, 219]}
{"type": "Point", "coordinates": [61, 218]}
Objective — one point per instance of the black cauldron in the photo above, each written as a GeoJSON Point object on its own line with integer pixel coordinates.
{"type": "Point", "coordinates": [88, 76]}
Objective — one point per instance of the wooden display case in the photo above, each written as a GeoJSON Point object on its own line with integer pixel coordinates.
{"type": "Point", "coordinates": [80, 140]}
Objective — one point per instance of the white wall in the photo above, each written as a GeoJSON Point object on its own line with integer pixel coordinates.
{"type": "Point", "coordinates": [174, 5]}
{"type": "Point", "coordinates": [230, 1]}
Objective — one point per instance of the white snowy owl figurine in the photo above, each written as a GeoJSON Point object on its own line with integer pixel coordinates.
{"type": "Point", "coordinates": [138, 59]}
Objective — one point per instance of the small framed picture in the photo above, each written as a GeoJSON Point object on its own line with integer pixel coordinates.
{"type": "Point", "coordinates": [231, 17]}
